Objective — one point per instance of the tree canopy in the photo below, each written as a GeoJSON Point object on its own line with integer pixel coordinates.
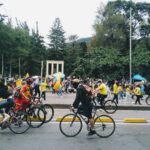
{"type": "Point", "coordinates": [104, 55]}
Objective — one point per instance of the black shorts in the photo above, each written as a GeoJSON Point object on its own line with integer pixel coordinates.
{"type": "Point", "coordinates": [86, 110]}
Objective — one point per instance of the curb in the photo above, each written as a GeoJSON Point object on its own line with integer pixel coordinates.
{"type": "Point", "coordinates": [121, 107]}
{"type": "Point", "coordinates": [135, 120]}
{"type": "Point", "coordinates": [124, 120]}
{"type": "Point", "coordinates": [77, 120]}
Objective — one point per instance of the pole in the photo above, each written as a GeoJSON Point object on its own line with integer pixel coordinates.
{"type": "Point", "coordinates": [10, 70]}
{"type": "Point", "coordinates": [19, 69]}
{"type": "Point", "coordinates": [2, 65]}
{"type": "Point", "coordinates": [41, 70]}
{"type": "Point", "coordinates": [130, 47]}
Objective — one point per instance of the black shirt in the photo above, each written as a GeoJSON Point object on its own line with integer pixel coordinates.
{"type": "Point", "coordinates": [82, 96]}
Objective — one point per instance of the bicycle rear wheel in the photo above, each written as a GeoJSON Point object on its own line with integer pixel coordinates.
{"type": "Point", "coordinates": [70, 125]}
{"type": "Point", "coordinates": [147, 100]}
{"type": "Point", "coordinates": [49, 112]}
{"type": "Point", "coordinates": [104, 126]}
{"type": "Point", "coordinates": [19, 123]}
{"type": "Point", "coordinates": [37, 116]}
{"type": "Point", "coordinates": [110, 106]}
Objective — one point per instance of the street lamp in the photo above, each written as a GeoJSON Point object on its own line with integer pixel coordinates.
{"type": "Point", "coordinates": [130, 66]}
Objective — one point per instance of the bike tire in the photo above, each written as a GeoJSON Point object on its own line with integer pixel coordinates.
{"type": "Point", "coordinates": [147, 100]}
{"type": "Point", "coordinates": [70, 126]}
{"type": "Point", "coordinates": [110, 106]}
{"type": "Point", "coordinates": [19, 124]}
{"type": "Point", "coordinates": [49, 112]}
{"type": "Point", "coordinates": [37, 116]}
{"type": "Point", "coordinates": [104, 126]}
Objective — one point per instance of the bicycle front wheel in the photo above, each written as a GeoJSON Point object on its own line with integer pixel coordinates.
{"type": "Point", "coordinates": [110, 106]}
{"type": "Point", "coordinates": [49, 112]}
{"type": "Point", "coordinates": [19, 123]}
{"type": "Point", "coordinates": [70, 125]}
{"type": "Point", "coordinates": [104, 126]}
{"type": "Point", "coordinates": [37, 116]}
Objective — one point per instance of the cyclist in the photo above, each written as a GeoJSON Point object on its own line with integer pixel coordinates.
{"type": "Point", "coordinates": [83, 97]}
{"type": "Point", "coordinates": [5, 102]}
{"type": "Point", "coordinates": [102, 92]}
{"type": "Point", "coordinates": [24, 94]}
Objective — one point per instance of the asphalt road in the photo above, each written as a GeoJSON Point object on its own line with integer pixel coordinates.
{"type": "Point", "coordinates": [48, 137]}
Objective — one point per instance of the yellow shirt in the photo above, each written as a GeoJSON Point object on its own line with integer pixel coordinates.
{"type": "Point", "coordinates": [120, 88]}
{"type": "Point", "coordinates": [137, 91]}
{"type": "Point", "coordinates": [128, 89]}
{"type": "Point", "coordinates": [103, 89]}
{"type": "Point", "coordinates": [43, 86]}
{"type": "Point", "coordinates": [115, 88]}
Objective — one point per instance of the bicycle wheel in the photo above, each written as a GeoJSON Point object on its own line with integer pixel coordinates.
{"type": "Point", "coordinates": [147, 100]}
{"type": "Point", "coordinates": [110, 106]}
{"type": "Point", "coordinates": [19, 123]}
{"type": "Point", "coordinates": [37, 116]}
{"type": "Point", "coordinates": [104, 126]}
{"type": "Point", "coordinates": [49, 112]}
{"type": "Point", "coordinates": [70, 125]}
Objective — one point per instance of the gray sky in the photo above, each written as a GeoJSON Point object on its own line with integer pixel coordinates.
{"type": "Point", "coordinates": [77, 16]}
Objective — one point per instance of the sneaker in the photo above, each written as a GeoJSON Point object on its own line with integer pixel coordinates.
{"type": "Point", "coordinates": [91, 132]}
{"type": "Point", "coordinates": [6, 117]}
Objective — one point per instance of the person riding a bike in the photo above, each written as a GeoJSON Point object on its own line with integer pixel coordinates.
{"type": "Point", "coordinates": [24, 93]}
{"type": "Point", "coordinates": [83, 97]}
{"type": "Point", "coordinates": [6, 102]}
{"type": "Point", "coordinates": [102, 92]}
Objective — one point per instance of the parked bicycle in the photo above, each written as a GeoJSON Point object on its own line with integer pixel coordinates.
{"type": "Point", "coordinates": [71, 124]}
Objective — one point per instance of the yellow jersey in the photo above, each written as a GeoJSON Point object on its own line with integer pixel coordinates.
{"type": "Point", "coordinates": [115, 89]}
{"type": "Point", "coordinates": [137, 91]}
{"type": "Point", "coordinates": [43, 86]}
{"type": "Point", "coordinates": [103, 89]}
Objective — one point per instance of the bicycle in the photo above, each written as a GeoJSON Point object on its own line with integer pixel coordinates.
{"type": "Point", "coordinates": [18, 123]}
{"type": "Point", "coordinates": [108, 106]}
{"type": "Point", "coordinates": [34, 111]}
{"type": "Point", "coordinates": [71, 124]}
{"type": "Point", "coordinates": [47, 108]}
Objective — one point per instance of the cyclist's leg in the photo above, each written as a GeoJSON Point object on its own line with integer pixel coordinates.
{"type": "Point", "coordinates": [88, 114]}
{"type": "Point", "coordinates": [102, 99]}
{"type": "Point", "coordinates": [98, 97]}
{"type": "Point", "coordinates": [5, 104]}
{"type": "Point", "coordinates": [10, 104]}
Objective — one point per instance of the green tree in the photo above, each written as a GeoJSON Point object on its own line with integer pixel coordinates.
{"type": "Point", "coordinates": [57, 40]}
{"type": "Point", "coordinates": [112, 29]}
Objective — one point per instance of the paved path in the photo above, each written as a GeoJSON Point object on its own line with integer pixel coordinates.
{"type": "Point", "coordinates": [67, 99]}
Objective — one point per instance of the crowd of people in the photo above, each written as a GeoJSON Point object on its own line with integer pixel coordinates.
{"type": "Point", "coordinates": [20, 91]}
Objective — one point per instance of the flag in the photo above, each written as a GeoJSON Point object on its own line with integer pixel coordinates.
{"type": "Point", "coordinates": [27, 75]}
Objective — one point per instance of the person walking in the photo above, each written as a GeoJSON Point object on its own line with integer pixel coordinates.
{"type": "Point", "coordinates": [138, 94]}
{"type": "Point", "coordinates": [115, 91]}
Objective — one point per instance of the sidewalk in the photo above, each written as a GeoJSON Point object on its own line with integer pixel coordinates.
{"type": "Point", "coordinates": [127, 112]}
{"type": "Point", "coordinates": [64, 102]}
